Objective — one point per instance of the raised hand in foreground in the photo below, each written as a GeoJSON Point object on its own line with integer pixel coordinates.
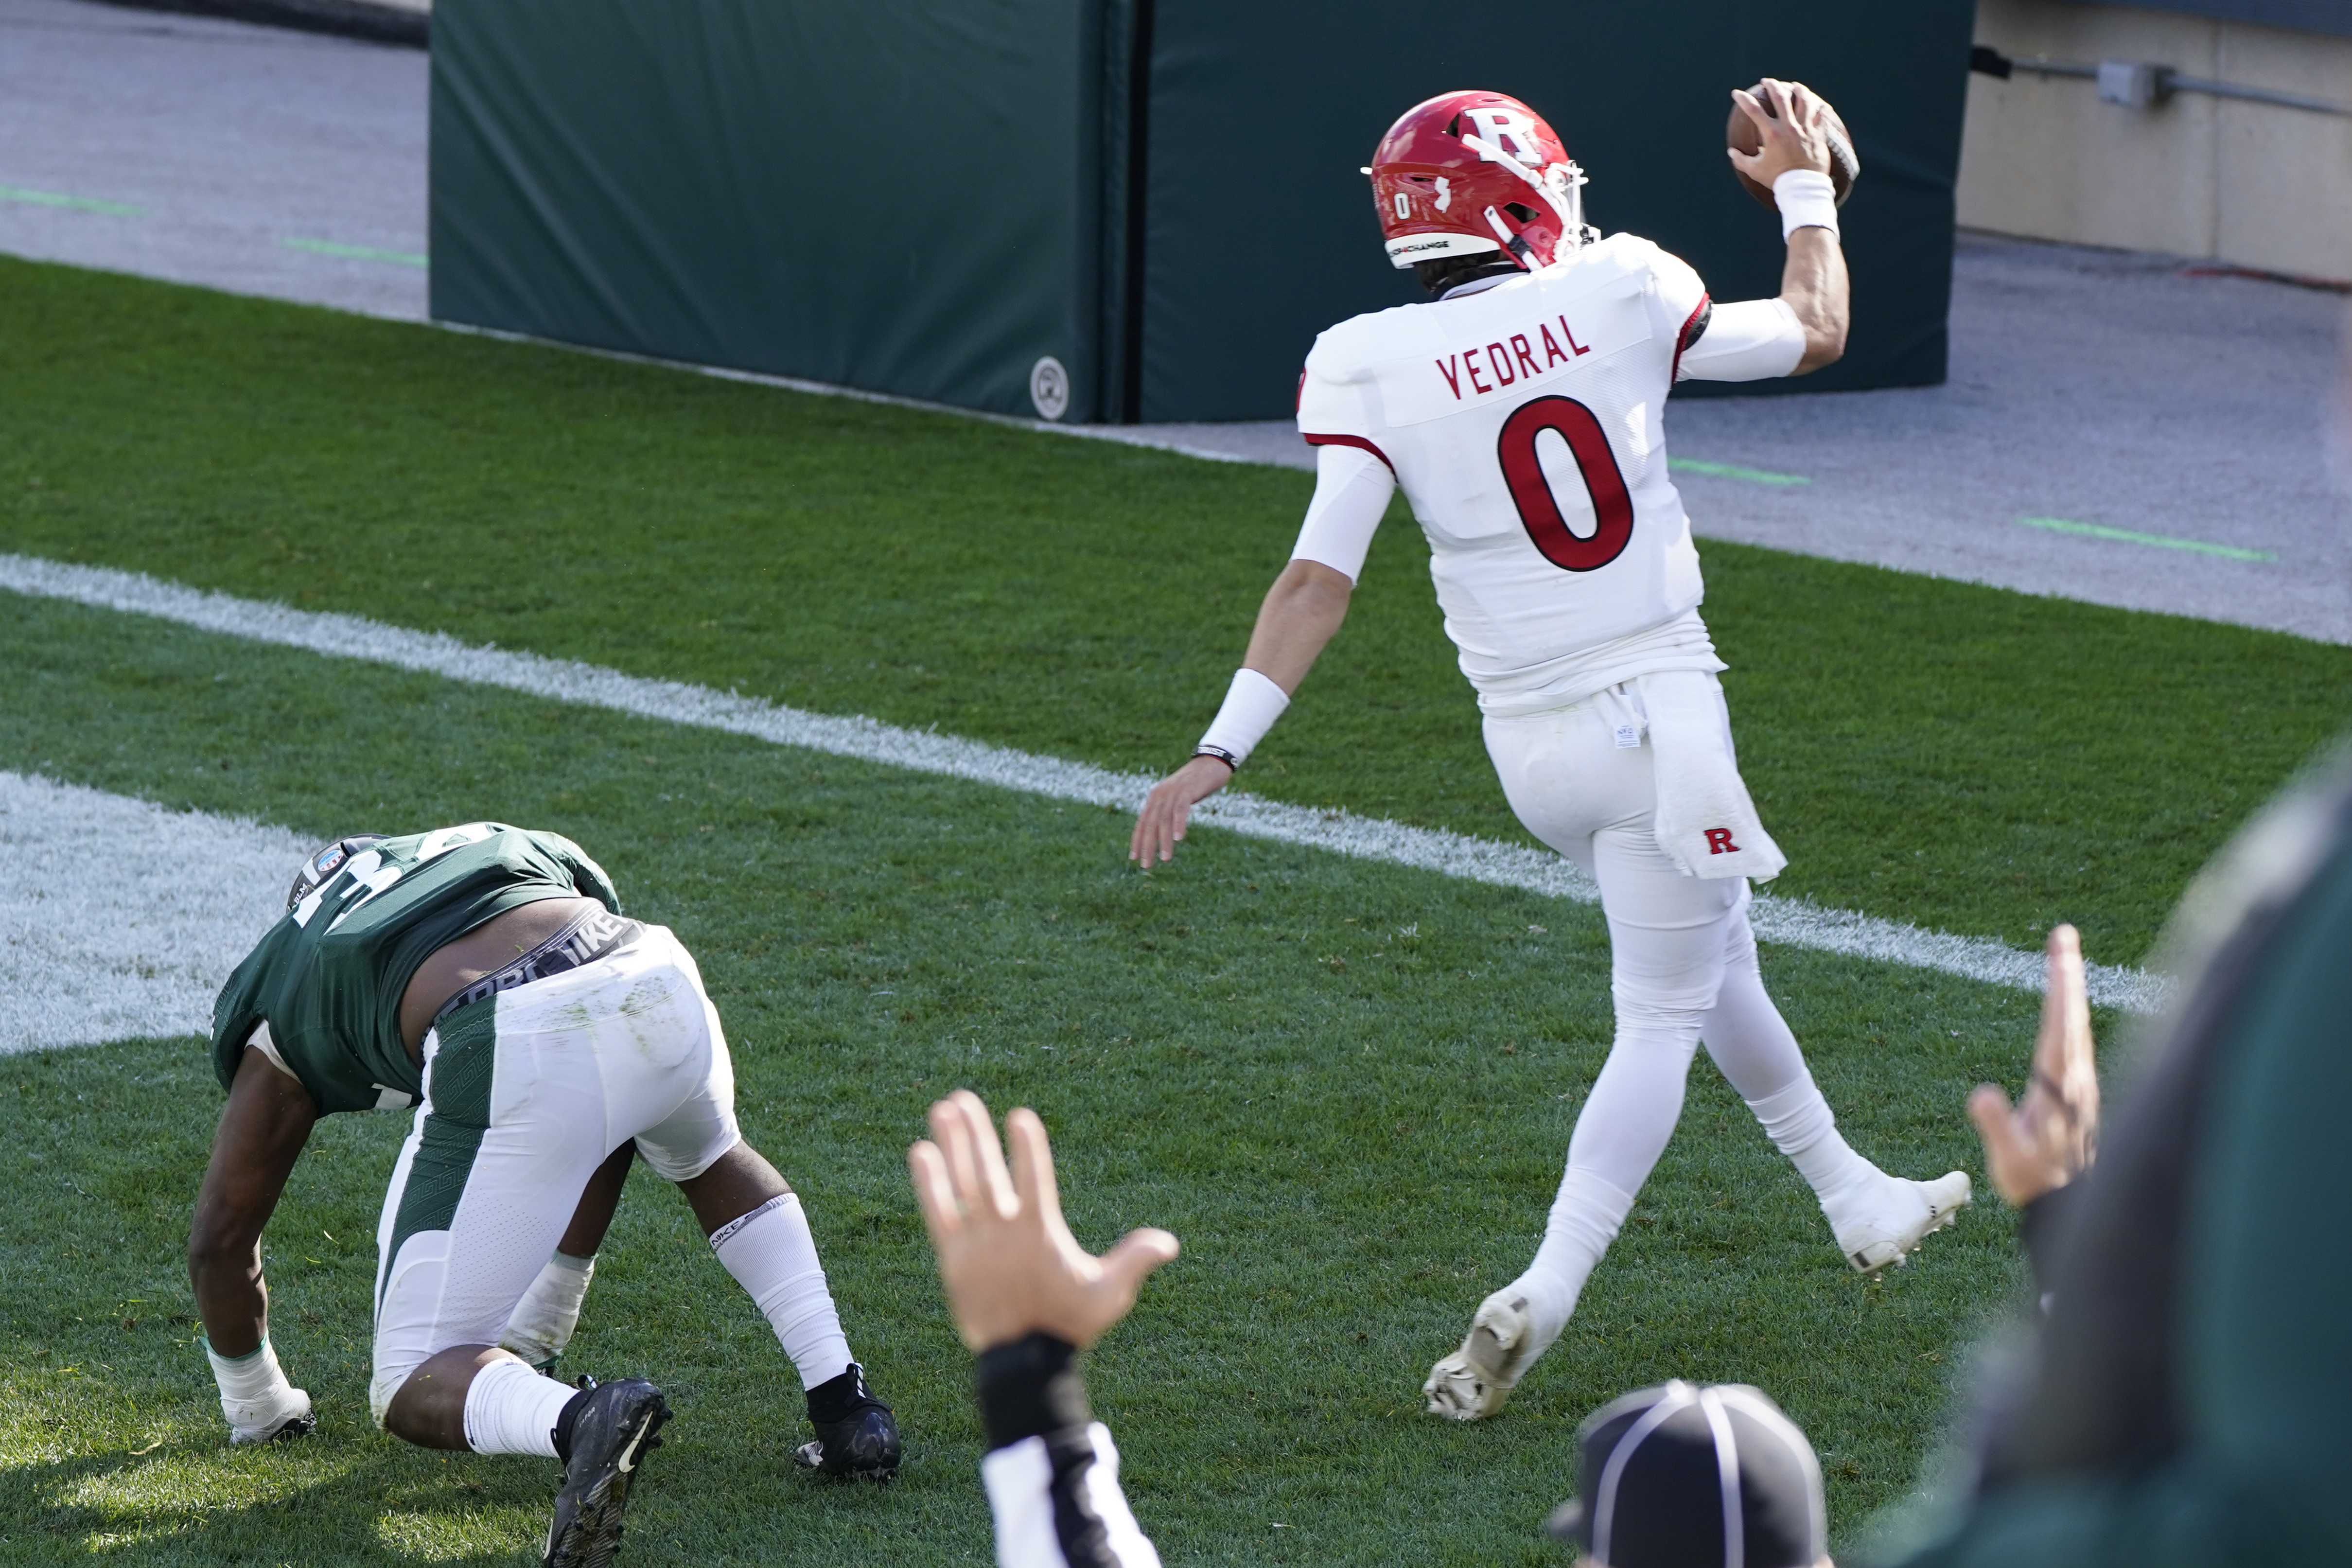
{"type": "Point", "coordinates": [2053, 1134]}
{"type": "Point", "coordinates": [1010, 1265]}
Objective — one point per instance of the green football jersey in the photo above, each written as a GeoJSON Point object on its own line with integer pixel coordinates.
{"type": "Point", "coordinates": [329, 977]}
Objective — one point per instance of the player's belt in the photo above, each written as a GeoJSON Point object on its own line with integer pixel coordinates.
{"type": "Point", "coordinates": [584, 940]}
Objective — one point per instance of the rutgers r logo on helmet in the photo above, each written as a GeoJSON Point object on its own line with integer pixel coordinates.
{"type": "Point", "coordinates": [1509, 127]}
{"type": "Point", "coordinates": [1471, 173]}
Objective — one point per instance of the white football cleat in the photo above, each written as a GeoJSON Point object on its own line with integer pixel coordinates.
{"type": "Point", "coordinates": [1878, 1228]}
{"type": "Point", "coordinates": [1473, 1381]}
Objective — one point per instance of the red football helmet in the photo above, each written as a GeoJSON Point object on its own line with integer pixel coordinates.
{"type": "Point", "coordinates": [1473, 171]}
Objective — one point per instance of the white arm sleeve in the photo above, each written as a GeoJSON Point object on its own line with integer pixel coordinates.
{"type": "Point", "coordinates": [1057, 1504]}
{"type": "Point", "coordinates": [1751, 340]}
{"type": "Point", "coordinates": [1351, 495]}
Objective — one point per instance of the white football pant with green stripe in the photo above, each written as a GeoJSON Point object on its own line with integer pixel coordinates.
{"type": "Point", "coordinates": [526, 1093]}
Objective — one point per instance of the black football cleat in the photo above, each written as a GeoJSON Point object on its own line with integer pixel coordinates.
{"type": "Point", "coordinates": [856, 1436]}
{"type": "Point", "coordinates": [300, 1427]}
{"type": "Point", "coordinates": [610, 1436]}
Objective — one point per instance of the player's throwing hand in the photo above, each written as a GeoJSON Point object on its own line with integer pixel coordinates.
{"type": "Point", "coordinates": [1010, 1265]}
{"type": "Point", "coordinates": [1791, 122]}
{"type": "Point", "coordinates": [2053, 1134]}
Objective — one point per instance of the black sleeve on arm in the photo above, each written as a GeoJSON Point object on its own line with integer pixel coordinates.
{"type": "Point", "coordinates": [1051, 1471]}
{"type": "Point", "coordinates": [1031, 1388]}
{"type": "Point", "coordinates": [2043, 1222]}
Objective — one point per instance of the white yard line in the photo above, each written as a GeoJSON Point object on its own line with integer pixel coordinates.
{"type": "Point", "coordinates": [105, 932]}
{"type": "Point", "coordinates": [1789, 920]}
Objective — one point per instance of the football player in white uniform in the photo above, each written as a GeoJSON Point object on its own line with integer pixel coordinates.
{"type": "Point", "coordinates": [1521, 410]}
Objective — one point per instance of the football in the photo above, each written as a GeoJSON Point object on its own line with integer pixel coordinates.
{"type": "Point", "coordinates": [1741, 136]}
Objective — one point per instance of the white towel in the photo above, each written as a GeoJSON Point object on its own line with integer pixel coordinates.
{"type": "Point", "coordinates": [1705, 821]}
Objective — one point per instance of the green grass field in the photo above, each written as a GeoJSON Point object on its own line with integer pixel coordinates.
{"type": "Point", "coordinates": [1347, 1086]}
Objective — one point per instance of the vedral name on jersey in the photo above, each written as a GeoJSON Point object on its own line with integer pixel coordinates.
{"type": "Point", "coordinates": [1535, 350]}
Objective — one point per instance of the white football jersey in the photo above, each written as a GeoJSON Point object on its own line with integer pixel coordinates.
{"type": "Point", "coordinates": [1524, 423]}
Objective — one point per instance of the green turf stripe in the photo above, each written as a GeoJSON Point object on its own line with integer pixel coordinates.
{"type": "Point", "coordinates": [2161, 541]}
{"type": "Point", "coordinates": [1733, 472]}
{"type": "Point", "coordinates": [77, 203]}
{"type": "Point", "coordinates": [356, 252]}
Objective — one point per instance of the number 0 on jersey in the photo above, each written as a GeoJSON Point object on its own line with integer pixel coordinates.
{"type": "Point", "coordinates": [1612, 504]}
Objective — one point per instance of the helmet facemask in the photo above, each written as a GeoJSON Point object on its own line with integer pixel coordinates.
{"type": "Point", "coordinates": [1561, 186]}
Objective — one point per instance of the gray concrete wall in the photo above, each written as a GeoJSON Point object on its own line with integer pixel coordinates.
{"type": "Point", "coordinates": [2252, 184]}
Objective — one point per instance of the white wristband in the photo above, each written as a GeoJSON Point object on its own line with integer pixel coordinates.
{"type": "Point", "coordinates": [1252, 705]}
{"type": "Point", "coordinates": [255, 1396]}
{"type": "Point", "coordinates": [542, 1322]}
{"type": "Point", "coordinates": [1807, 200]}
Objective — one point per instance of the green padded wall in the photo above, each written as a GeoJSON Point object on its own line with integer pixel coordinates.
{"type": "Point", "coordinates": [902, 196]}
{"type": "Point", "coordinates": [922, 197]}
{"type": "Point", "coordinates": [1260, 232]}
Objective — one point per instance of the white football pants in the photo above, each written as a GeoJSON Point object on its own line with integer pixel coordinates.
{"type": "Point", "coordinates": [1682, 967]}
{"type": "Point", "coordinates": [525, 1095]}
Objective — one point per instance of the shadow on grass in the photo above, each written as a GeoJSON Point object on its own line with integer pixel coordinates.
{"type": "Point", "coordinates": [376, 1500]}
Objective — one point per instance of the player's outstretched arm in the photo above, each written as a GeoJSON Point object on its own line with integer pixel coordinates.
{"type": "Point", "coordinates": [1028, 1298]}
{"type": "Point", "coordinates": [262, 1130]}
{"type": "Point", "coordinates": [1814, 280]}
{"type": "Point", "coordinates": [2052, 1134]}
{"type": "Point", "coordinates": [1301, 614]}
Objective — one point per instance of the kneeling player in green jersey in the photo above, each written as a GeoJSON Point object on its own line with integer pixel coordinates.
{"type": "Point", "coordinates": [485, 975]}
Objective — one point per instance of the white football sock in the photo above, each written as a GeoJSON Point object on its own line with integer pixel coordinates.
{"type": "Point", "coordinates": [510, 1409]}
{"type": "Point", "coordinates": [1752, 1044]}
{"type": "Point", "coordinates": [1621, 1129]}
{"type": "Point", "coordinates": [1798, 1121]}
{"type": "Point", "coordinates": [543, 1320]}
{"type": "Point", "coordinates": [1585, 1218]}
{"type": "Point", "coordinates": [773, 1256]}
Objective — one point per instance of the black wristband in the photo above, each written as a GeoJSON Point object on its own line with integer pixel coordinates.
{"type": "Point", "coordinates": [1030, 1387]}
{"type": "Point", "coordinates": [2041, 1224]}
{"type": "Point", "coordinates": [1222, 755]}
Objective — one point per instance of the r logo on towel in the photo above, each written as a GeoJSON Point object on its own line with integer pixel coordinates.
{"type": "Point", "coordinates": [1718, 841]}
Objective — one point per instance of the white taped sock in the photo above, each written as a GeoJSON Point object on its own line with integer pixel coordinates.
{"type": "Point", "coordinates": [773, 1256]}
{"type": "Point", "coordinates": [1585, 1218]}
{"type": "Point", "coordinates": [543, 1320]}
{"type": "Point", "coordinates": [510, 1409]}
{"type": "Point", "coordinates": [1800, 1125]}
